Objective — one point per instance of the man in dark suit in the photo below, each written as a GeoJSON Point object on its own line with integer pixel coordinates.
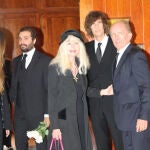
{"type": "Point", "coordinates": [29, 88]}
{"type": "Point", "coordinates": [100, 82]}
{"type": "Point", "coordinates": [131, 82]}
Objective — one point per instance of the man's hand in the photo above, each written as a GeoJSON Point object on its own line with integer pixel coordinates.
{"type": "Point", "coordinates": [108, 91]}
{"type": "Point", "coordinates": [7, 132]}
{"type": "Point", "coordinates": [47, 121]}
{"type": "Point", "coordinates": [141, 125]}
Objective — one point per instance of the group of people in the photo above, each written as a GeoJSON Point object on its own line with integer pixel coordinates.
{"type": "Point", "coordinates": [106, 79]}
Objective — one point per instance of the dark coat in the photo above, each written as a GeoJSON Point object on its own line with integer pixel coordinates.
{"type": "Point", "coordinates": [62, 97]}
{"type": "Point", "coordinates": [132, 89]}
{"type": "Point", "coordinates": [4, 115]}
{"type": "Point", "coordinates": [34, 89]}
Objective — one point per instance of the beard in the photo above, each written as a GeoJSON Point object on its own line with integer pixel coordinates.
{"type": "Point", "coordinates": [26, 48]}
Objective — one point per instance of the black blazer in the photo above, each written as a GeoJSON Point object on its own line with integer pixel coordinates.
{"type": "Point", "coordinates": [35, 86]}
{"type": "Point", "coordinates": [132, 89]}
{"type": "Point", "coordinates": [100, 75]}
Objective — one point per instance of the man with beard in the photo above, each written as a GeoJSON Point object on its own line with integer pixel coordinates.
{"type": "Point", "coordinates": [29, 89]}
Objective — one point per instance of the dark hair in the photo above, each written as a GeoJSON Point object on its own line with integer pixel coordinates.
{"type": "Point", "coordinates": [32, 30]}
{"type": "Point", "coordinates": [92, 17]}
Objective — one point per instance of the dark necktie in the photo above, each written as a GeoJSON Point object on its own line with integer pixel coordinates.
{"type": "Point", "coordinates": [99, 53]}
{"type": "Point", "coordinates": [115, 63]}
{"type": "Point", "coordinates": [23, 62]}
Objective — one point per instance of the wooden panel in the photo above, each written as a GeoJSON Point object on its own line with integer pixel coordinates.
{"type": "Point", "coordinates": [118, 8]}
{"type": "Point", "coordinates": [85, 7]}
{"type": "Point", "coordinates": [112, 8]}
{"type": "Point", "coordinates": [99, 5]}
{"type": "Point", "coordinates": [137, 19]}
{"type": "Point", "coordinates": [11, 4]}
{"type": "Point", "coordinates": [53, 27]}
{"type": "Point", "coordinates": [12, 24]}
{"type": "Point", "coordinates": [60, 3]}
{"type": "Point", "coordinates": [146, 26]}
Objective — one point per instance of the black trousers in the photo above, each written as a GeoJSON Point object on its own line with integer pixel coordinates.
{"type": "Point", "coordinates": [104, 127]}
{"type": "Point", "coordinates": [21, 140]}
{"type": "Point", "coordinates": [1, 134]}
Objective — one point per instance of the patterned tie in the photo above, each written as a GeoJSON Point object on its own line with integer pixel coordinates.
{"type": "Point", "coordinates": [23, 62]}
{"type": "Point", "coordinates": [99, 53]}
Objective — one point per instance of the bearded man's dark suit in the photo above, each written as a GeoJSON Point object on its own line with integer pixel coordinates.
{"type": "Point", "coordinates": [29, 92]}
{"type": "Point", "coordinates": [101, 108]}
{"type": "Point", "coordinates": [131, 82]}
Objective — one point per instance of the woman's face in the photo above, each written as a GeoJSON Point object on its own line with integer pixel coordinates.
{"type": "Point", "coordinates": [72, 46]}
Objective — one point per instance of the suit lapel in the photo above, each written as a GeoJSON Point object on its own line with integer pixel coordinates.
{"type": "Point", "coordinates": [34, 60]}
{"type": "Point", "coordinates": [107, 51]}
{"type": "Point", "coordinates": [122, 60]}
{"type": "Point", "coordinates": [92, 52]}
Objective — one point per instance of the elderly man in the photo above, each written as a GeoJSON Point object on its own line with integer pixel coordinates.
{"type": "Point", "coordinates": [131, 83]}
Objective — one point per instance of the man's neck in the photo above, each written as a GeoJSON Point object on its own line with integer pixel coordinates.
{"type": "Point", "coordinates": [100, 38]}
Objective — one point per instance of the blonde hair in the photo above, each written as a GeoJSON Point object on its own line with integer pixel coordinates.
{"type": "Point", "coordinates": [62, 59]}
{"type": "Point", "coordinates": [2, 50]}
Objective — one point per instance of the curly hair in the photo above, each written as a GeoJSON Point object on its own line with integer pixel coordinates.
{"type": "Point", "coordinates": [92, 17]}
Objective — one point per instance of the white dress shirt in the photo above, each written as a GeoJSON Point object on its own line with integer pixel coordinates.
{"type": "Point", "coordinates": [120, 53]}
{"type": "Point", "coordinates": [103, 44]}
{"type": "Point", "coordinates": [29, 57]}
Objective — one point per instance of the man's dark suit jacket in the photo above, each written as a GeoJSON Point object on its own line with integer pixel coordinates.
{"type": "Point", "coordinates": [100, 75]}
{"type": "Point", "coordinates": [34, 89]}
{"type": "Point", "coordinates": [132, 89]}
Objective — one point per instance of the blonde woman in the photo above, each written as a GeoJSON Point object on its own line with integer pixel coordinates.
{"type": "Point", "coordinates": [67, 86]}
{"type": "Point", "coordinates": [4, 107]}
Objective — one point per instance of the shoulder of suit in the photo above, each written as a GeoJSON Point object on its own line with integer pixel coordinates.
{"type": "Point", "coordinates": [43, 55]}
{"type": "Point", "coordinates": [135, 49]}
{"type": "Point", "coordinates": [89, 43]}
{"type": "Point", "coordinates": [89, 46]}
{"type": "Point", "coordinates": [17, 58]}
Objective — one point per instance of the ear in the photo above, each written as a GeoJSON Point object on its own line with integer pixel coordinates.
{"type": "Point", "coordinates": [34, 41]}
{"type": "Point", "coordinates": [130, 35]}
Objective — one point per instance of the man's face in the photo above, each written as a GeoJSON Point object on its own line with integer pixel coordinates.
{"type": "Point", "coordinates": [120, 35]}
{"type": "Point", "coordinates": [98, 28]}
{"type": "Point", "coordinates": [26, 42]}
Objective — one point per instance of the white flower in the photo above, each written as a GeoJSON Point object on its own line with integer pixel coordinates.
{"type": "Point", "coordinates": [39, 133]}
{"type": "Point", "coordinates": [39, 139]}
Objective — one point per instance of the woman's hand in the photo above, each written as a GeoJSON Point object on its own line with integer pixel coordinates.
{"type": "Point", "coordinates": [7, 132]}
{"type": "Point", "coordinates": [47, 121]}
{"type": "Point", "coordinates": [56, 134]}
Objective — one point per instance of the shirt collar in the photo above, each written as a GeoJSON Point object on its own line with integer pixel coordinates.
{"type": "Point", "coordinates": [103, 43]}
{"type": "Point", "coordinates": [121, 51]}
{"type": "Point", "coordinates": [30, 53]}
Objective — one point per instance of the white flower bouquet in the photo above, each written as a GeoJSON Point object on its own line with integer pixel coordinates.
{"type": "Point", "coordinates": [38, 133]}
